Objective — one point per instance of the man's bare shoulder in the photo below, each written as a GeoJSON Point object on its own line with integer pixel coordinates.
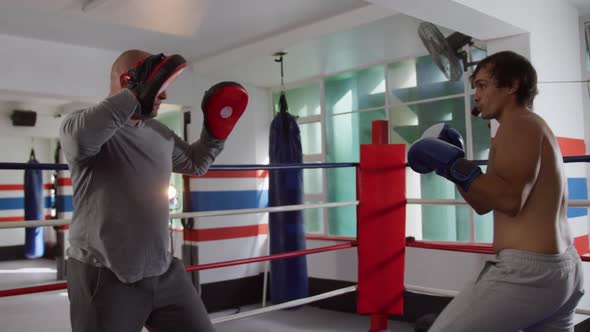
{"type": "Point", "coordinates": [526, 128]}
{"type": "Point", "coordinates": [526, 123]}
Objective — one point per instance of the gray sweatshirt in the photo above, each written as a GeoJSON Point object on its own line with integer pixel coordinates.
{"type": "Point", "coordinates": [120, 177]}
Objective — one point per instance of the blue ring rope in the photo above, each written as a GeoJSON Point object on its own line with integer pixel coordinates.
{"type": "Point", "coordinates": [22, 166]}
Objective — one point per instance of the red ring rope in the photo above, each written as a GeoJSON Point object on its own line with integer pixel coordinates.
{"type": "Point", "coordinates": [64, 285]}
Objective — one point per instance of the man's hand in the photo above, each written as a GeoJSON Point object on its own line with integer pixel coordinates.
{"type": "Point", "coordinates": [150, 77]}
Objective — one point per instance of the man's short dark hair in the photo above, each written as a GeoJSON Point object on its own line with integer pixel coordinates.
{"type": "Point", "coordinates": [506, 67]}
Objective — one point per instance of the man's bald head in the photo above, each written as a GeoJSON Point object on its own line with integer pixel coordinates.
{"type": "Point", "coordinates": [122, 64]}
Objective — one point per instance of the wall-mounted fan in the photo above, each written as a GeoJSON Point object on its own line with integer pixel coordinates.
{"type": "Point", "coordinates": [446, 52]}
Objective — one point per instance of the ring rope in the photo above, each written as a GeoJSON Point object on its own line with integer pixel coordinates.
{"type": "Point", "coordinates": [243, 167]}
{"type": "Point", "coordinates": [63, 284]}
{"type": "Point", "coordinates": [286, 305]}
{"type": "Point", "coordinates": [61, 222]}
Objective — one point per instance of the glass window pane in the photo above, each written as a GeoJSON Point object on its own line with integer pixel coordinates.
{"type": "Point", "coordinates": [478, 54]}
{"type": "Point", "coordinates": [410, 121]}
{"type": "Point", "coordinates": [355, 90]}
{"type": "Point", "coordinates": [314, 219]}
{"type": "Point", "coordinates": [445, 223]}
{"type": "Point", "coordinates": [484, 228]}
{"type": "Point", "coordinates": [303, 101]}
{"type": "Point", "coordinates": [345, 133]}
{"type": "Point", "coordinates": [312, 181]}
{"type": "Point", "coordinates": [420, 78]}
{"type": "Point", "coordinates": [341, 188]}
{"type": "Point", "coordinates": [439, 222]}
{"type": "Point", "coordinates": [311, 138]}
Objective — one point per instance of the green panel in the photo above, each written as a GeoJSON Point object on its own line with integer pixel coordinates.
{"type": "Point", "coordinates": [311, 138]}
{"type": "Point", "coordinates": [172, 120]}
{"type": "Point", "coordinates": [484, 228]}
{"type": "Point", "coordinates": [355, 90]}
{"type": "Point", "coordinates": [303, 101]}
{"type": "Point", "coordinates": [345, 133]}
{"type": "Point", "coordinates": [312, 181]}
{"type": "Point", "coordinates": [417, 79]}
{"type": "Point", "coordinates": [314, 219]}
{"type": "Point", "coordinates": [341, 188]}
{"type": "Point", "coordinates": [462, 215]}
{"type": "Point", "coordinates": [478, 54]}
{"type": "Point", "coordinates": [439, 222]}
{"type": "Point", "coordinates": [342, 145]}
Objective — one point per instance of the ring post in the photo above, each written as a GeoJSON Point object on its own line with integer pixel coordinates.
{"type": "Point", "coordinates": [381, 214]}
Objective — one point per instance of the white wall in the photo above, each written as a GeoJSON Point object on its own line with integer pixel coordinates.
{"type": "Point", "coordinates": [17, 149]}
{"type": "Point", "coordinates": [79, 75]}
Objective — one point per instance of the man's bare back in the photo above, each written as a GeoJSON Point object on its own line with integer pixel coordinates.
{"type": "Point", "coordinates": [541, 226]}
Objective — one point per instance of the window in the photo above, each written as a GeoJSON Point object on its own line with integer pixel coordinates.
{"type": "Point", "coordinates": [353, 101]}
{"type": "Point", "coordinates": [413, 95]}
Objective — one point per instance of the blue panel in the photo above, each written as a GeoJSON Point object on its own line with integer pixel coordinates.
{"type": "Point", "coordinates": [12, 203]}
{"type": "Point", "coordinates": [577, 189]}
{"type": "Point", "coordinates": [65, 204]}
{"type": "Point", "coordinates": [48, 202]}
{"type": "Point", "coordinates": [228, 200]}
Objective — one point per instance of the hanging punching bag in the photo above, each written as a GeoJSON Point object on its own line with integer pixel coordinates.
{"type": "Point", "coordinates": [288, 277]}
{"type": "Point", "coordinates": [34, 240]}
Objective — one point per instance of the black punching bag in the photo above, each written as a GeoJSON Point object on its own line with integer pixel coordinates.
{"type": "Point", "coordinates": [288, 277]}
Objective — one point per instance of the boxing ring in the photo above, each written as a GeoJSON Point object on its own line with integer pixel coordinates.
{"type": "Point", "coordinates": [381, 236]}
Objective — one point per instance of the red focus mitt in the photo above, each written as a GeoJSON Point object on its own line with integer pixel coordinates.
{"type": "Point", "coordinates": [223, 105]}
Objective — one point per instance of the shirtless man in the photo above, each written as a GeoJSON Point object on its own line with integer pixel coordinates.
{"type": "Point", "coordinates": [535, 281]}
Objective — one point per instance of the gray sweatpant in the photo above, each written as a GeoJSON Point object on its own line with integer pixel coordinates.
{"type": "Point", "coordinates": [518, 290]}
{"type": "Point", "coordinates": [100, 302]}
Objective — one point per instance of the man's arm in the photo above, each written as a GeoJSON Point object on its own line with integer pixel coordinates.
{"type": "Point", "coordinates": [197, 157]}
{"type": "Point", "coordinates": [83, 133]}
{"type": "Point", "coordinates": [516, 161]}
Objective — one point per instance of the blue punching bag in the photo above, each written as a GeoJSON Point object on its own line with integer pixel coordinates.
{"type": "Point", "coordinates": [288, 277]}
{"type": "Point", "coordinates": [34, 240]}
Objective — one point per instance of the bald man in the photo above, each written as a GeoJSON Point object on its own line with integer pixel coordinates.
{"type": "Point", "coordinates": [121, 275]}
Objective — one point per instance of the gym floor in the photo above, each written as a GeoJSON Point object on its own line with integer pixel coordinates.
{"type": "Point", "coordinates": [49, 311]}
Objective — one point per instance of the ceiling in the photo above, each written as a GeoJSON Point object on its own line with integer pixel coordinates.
{"type": "Point", "coordinates": [583, 6]}
{"type": "Point", "coordinates": [194, 28]}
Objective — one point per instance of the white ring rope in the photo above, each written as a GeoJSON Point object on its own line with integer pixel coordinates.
{"type": "Point", "coordinates": [34, 223]}
{"type": "Point", "coordinates": [410, 201]}
{"type": "Point", "coordinates": [61, 222]}
{"type": "Point", "coordinates": [286, 305]}
{"type": "Point", "coordinates": [261, 210]}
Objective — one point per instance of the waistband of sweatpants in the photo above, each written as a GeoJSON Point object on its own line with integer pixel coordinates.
{"type": "Point", "coordinates": [569, 255]}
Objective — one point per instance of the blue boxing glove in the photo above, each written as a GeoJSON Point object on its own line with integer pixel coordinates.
{"type": "Point", "coordinates": [432, 154]}
{"type": "Point", "coordinates": [446, 133]}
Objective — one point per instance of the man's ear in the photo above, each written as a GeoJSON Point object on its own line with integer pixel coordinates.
{"type": "Point", "coordinates": [124, 79]}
